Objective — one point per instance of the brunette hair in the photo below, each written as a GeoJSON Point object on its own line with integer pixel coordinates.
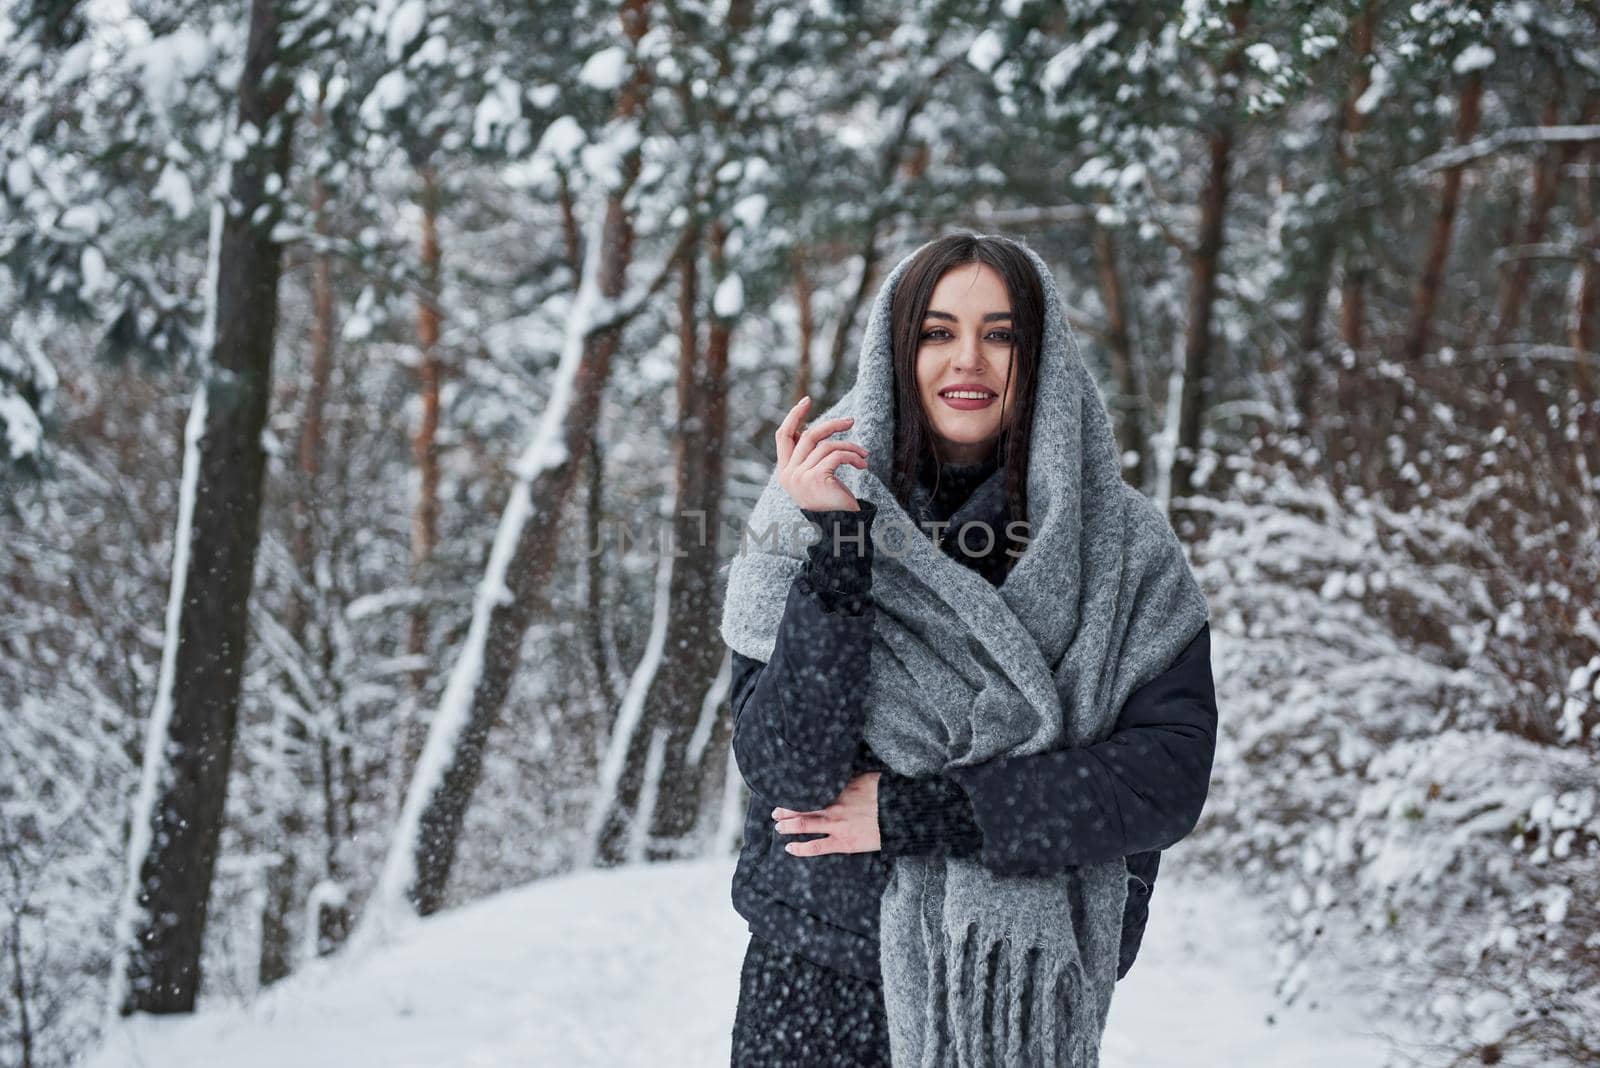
{"type": "Point", "coordinates": [913, 432]}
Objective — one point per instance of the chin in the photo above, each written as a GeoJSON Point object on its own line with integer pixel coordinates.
{"type": "Point", "coordinates": [966, 436]}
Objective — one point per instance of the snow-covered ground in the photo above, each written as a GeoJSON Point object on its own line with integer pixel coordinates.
{"type": "Point", "coordinates": [640, 966]}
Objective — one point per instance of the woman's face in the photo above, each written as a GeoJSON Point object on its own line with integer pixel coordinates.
{"type": "Point", "coordinates": [965, 348]}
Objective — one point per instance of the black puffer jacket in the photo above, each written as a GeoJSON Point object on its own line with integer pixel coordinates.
{"type": "Point", "coordinates": [798, 741]}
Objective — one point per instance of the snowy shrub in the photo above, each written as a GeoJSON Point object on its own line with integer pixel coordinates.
{"type": "Point", "coordinates": [57, 816]}
{"type": "Point", "coordinates": [1407, 754]}
{"type": "Point", "coordinates": [75, 654]}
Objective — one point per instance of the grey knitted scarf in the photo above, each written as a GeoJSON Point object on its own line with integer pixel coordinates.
{"type": "Point", "coordinates": [979, 968]}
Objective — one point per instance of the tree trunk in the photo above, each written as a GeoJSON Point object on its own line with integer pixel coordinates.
{"type": "Point", "coordinates": [1207, 261]}
{"type": "Point", "coordinates": [20, 992]}
{"type": "Point", "coordinates": [1202, 300]}
{"type": "Point", "coordinates": [1522, 391]}
{"type": "Point", "coordinates": [275, 959]}
{"type": "Point", "coordinates": [679, 812]}
{"type": "Point", "coordinates": [1582, 332]}
{"type": "Point", "coordinates": [889, 166]}
{"type": "Point", "coordinates": [425, 446]}
{"type": "Point", "coordinates": [802, 299]}
{"type": "Point", "coordinates": [600, 647]}
{"type": "Point", "coordinates": [834, 378]}
{"type": "Point", "coordinates": [424, 449]}
{"type": "Point", "coordinates": [1582, 328]}
{"type": "Point", "coordinates": [1425, 300]}
{"type": "Point", "coordinates": [417, 869]}
{"type": "Point", "coordinates": [333, 914]}
{"type": "Point", "coordinates": [675, 696]}
{"type": "Point", "coordinates": [1546, 185]}
{"type": "Point", "coordinates": [528, 573]}
{"type": "Point", "coordinates": [653, 779]}
{"type": "Point", "coordinates": [192, 729]}
{"type": "Point", "coordinates": [333, 917]}
{"type": "Point", "coordinates": [1132, 426]}
{"type": "Point", "coordinates": [1309, 382]}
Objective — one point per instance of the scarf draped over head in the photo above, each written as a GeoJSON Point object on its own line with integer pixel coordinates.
{"type": "Point", "coordinates": [980, 968]}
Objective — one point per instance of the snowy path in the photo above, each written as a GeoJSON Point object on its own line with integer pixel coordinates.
{"type": "Point", "coordinates": [640, 966]}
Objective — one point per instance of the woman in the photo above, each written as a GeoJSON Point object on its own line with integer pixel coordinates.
{"type": "Point", "coordinates": [995, 804]}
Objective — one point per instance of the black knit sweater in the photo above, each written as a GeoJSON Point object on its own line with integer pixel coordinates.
{"type": "Point", "coordinates": [929, 816]}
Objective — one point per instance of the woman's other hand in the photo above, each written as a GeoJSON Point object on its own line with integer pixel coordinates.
{"type": "Point", "coordinates": [808, 458]}
{"type": "Point", "coordinates": [850, 823]}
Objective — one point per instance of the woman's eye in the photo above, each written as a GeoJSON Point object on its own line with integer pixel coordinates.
{"type": "Point", "coordinates": [1003, 336]}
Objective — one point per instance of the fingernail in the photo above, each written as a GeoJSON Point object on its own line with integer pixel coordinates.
{"type": "Point", "coordinates": [789, 849]}
{"type": "Point", "coordinates": [774, 813]}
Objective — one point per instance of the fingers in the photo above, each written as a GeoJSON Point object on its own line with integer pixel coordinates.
{"type": "Point", "coordinates": [791, 440]}
{"type": "Point", "coordinates": [843, 840]}
{"type": "Point", "coordinates": [826, 456]}
{"type": "Point", "coordinates": [809, 824]}
{"type": "Point", "coordinates": [802, 825]}
{"type": "Point", "coordinates": [844, 828]}
{"type": "Point", "coordinates": [802, 453]}
{"type": "Point", "coordinates": [787, 430]}
{"type": "Point", "coordinates": [814, 848]}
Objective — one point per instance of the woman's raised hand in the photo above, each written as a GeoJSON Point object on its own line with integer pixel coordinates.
{"type": "Point", "coordinates": [808, 458]}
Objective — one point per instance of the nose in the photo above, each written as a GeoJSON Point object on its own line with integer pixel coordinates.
{"type": "Point", "coordinates": [969, 356]}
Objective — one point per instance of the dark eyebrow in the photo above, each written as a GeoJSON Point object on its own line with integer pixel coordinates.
{"type": "Point", "coordinates": [989, 318]}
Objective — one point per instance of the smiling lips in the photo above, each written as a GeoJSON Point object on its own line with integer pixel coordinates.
{"type": "Point", "coordinates": [968, 398]}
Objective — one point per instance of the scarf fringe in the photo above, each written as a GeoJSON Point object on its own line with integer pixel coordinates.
{"type": "Point", "coordinates": [994, 1002]}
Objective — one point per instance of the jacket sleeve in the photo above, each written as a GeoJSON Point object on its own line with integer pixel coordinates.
{"type": "Point", "coordinates": [925, 817]}
{"type": "Point", "coordinates": [1140, 789]}
{"type": "Point", "coordinates": [798, 718]}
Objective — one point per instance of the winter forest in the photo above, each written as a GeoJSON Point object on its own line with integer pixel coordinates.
{"type": "Point", "coordinates": [360, 358]}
